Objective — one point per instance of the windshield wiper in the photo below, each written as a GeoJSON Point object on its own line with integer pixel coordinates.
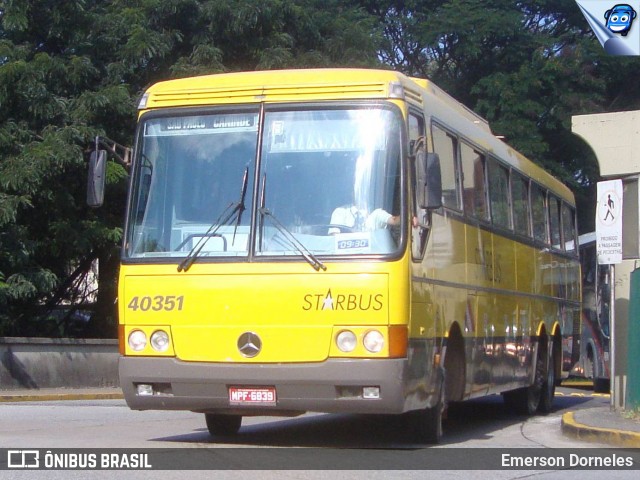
{"type": "Point", "coordinates": [234, 208]}
{"type": "Point", "coordinates": [293, 241]}
{"type": "Point", "coordinates": [243, 193]}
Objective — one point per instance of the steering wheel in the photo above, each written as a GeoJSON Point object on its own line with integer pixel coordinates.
{"type": "Point", "coordinates": [341, 228]}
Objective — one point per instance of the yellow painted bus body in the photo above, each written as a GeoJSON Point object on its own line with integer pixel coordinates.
{"type": "Point", "coordinates": [499, 294]}
{"type": "Point", "coordinates": [297, 313]}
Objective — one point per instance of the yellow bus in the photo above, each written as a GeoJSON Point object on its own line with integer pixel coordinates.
{"type": "Point", "coordinates": [338, 240]}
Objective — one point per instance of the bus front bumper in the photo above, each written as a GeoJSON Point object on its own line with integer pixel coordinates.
{"type": "Point", "coordinates": [332, 386]}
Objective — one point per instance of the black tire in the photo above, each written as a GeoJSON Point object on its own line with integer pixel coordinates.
{"type": "Point", "coordinates": [526, 401]}
{"type": "Point", "coordinates": [548, 390]}
{"type": "Point", "coordinates": [427, 423]}
{"type": "Point", "coordinates": [601, 385]}
{"type": "Point", "coordinates": [223, 425]}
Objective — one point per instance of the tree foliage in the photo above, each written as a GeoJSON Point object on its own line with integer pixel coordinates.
{"type": "Point", "coordinates": [525, 66]}
{"type": "Point", "coordinates": [72, 70]}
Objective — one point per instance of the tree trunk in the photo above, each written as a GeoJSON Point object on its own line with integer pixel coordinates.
{"type": "Point", "coordinates": [104, 321]}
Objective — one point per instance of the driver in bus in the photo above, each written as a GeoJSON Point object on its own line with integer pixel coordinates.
{"type": "Point", "coordinates": [357, 219]}
{"type": "Point", "coordinates": [353, 214]}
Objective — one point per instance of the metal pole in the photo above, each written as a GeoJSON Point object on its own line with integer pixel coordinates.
{"type": "Point", "coordinates": [613, 383]}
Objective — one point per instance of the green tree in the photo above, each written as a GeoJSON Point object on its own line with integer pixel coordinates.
{"type": "Point", "coordinates": [525, 66]}
{"type": "Point", "coordinates": [72, 70]}
{"type": "Point", "coordinates": [48, 90]}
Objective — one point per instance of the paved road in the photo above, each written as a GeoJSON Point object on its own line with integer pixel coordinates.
{"type": "Point", "coordinates": [110, 424]}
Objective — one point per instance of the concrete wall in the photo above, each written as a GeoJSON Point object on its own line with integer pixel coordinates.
{"type": "Point", "coordinates": [614, 138]}
{"type": "Point", "coordinates": [34, 363]}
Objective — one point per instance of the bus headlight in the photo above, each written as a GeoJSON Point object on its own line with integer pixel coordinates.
{"type": "Point", "coordinates": [373, 341]}
{"type": "Point", "coordinates": [137, 340]}
{"type": "Point", "coordinates": [160, 341]}
{"type": "Point", "coordinates": [346, 341]}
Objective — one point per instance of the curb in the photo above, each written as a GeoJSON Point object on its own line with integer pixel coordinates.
{"type": "Point", "coordinates": [620, 438]}
{"type": "Point", "coordinates": [48, 397]}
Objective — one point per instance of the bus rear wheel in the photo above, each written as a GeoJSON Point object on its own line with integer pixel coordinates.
{"type": "Point", "coordinates": [526, 401]}
{"type": "Point", "coordinates": [548, 389]}
{"type": "Point", "coordinates": [223, 425]}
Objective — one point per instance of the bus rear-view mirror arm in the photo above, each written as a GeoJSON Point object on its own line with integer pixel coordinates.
{"type": "Point", "coordinates": [98, 165]}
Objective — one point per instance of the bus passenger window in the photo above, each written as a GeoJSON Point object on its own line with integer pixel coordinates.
{"type": "Point", "coordinates": [554, 221]}
{"type": "Point", "coordinates": [538, 213]}
{"type": "Point", "coordinates": [499, 194]}
{"type": "Point", "coordinates": [419, 233]}
{"type": "Point", "coordinates": [473, 190]}
{"type": "Point", "coordinates": [416, 132]}
{"type": "Point", "coordinates": [568, 228]}
{"type": "Point", "coordinates": [445, 146]}
{"type": "Point", "coordinates": [520, 198]}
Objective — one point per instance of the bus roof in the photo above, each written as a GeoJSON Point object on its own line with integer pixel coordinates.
{"type": "Point", "coordinates": [344, 84]}
{"type": "Point", "coordinates": [273, 86]}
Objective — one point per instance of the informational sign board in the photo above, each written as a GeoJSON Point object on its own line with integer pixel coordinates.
{"type": "Point", "coordinates": [609, 222]}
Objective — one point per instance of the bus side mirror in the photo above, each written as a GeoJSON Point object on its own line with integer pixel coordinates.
{"type": "Point", "coordinates": [429, 181]}
{"type": "Point", "coordinates": [96, 179]}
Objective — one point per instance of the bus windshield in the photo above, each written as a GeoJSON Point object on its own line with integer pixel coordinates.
{"type": "Point", "coordinates": [228, 184]}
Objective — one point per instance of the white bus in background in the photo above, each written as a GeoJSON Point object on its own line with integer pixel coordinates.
{"type": "Point", "coordinates": [596, 316]}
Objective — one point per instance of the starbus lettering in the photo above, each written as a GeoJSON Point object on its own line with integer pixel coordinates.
{"type": "Point", "coordinates": [343, 302]}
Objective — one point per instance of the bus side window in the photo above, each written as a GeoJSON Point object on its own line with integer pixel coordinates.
{"type": "Point", "coordinates": [499, 194]}
{"type": "Point", "coordinates": [520, 199]}
{"type": "Point", "coordinates": [445, 145]}
{"type": "Point", "coordinates": [474, 193]}
{"type": "Point", "coordinates": [417, 142]}
{"type": "Point", "coordinates": [569, 228]}
{"type": "Point", "coordinates": [538, 213]}
{"type": "Point", "coordinates": [554, 221]}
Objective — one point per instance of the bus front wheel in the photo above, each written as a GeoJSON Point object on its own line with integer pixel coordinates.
{"type": "Point", "coordinates": [427, 423]}
{"type": "Point", "coordinates": [223, 425]}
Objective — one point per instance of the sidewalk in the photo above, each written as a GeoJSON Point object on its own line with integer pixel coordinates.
{"type": "Point", "coordinates": [602, 425]}
{"type": "Point", "coordinates": [52, 394]}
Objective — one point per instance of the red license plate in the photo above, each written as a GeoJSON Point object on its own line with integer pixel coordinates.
{"type": "Point", "coordinates": [252, 395]}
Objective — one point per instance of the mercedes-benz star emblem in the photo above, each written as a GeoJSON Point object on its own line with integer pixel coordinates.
{"type": "Point", "coordinates": [249, 344]}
